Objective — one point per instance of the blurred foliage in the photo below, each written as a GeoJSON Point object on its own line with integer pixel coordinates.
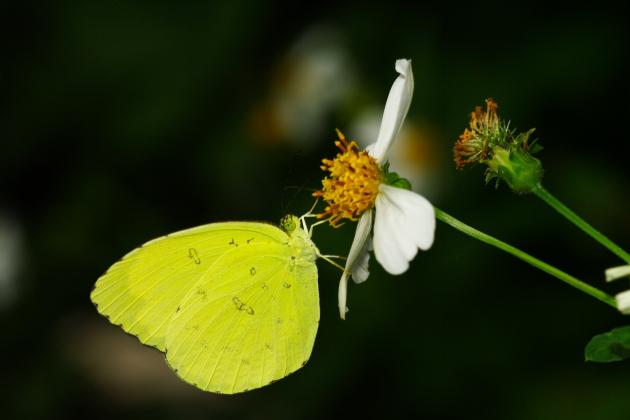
{"type": "Point", "coordinates": [610, 346]}
{"type": "Point", "coordinates": [123, 121]}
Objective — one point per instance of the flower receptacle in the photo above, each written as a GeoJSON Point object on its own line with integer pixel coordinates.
{"type": "Point", "coordinates": [517, 167]}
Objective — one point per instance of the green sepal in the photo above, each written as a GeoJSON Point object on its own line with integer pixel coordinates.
{"type": "Point", "coordinates": [534, 147]}
{"type": "Point", "coordinates": [393, 179]}
{"type": "Point", "coordinates": [400, 182]}
{"type": "Point", "coordinates": [609, 347]}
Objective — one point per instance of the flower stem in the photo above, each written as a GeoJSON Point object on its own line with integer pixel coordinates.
{"type": "Point", "coordinates": [544, 195]}
{"type": "Point", "coordinates": [567, 278]}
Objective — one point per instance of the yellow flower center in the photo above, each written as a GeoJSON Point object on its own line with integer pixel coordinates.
{"type": "Point", "coordinates": [351, 185]}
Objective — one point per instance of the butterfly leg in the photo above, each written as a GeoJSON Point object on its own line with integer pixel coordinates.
{"type": "Point", "coordinates": [303, 221]}
{"type": "Point", "coordinates": [333, 256]}
{"type": "Point", "coordinates": [328, 259]}
{"type": "Point", "coordinates": [309, 213]}
{"type": "Point", "coordinates": [310, 229]}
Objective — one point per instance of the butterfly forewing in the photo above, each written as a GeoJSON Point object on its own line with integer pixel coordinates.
{"type": "Point", "coordinates": [142, 292]}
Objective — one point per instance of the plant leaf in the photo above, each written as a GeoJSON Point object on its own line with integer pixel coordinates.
{"type": "Point", "coordinates": [611, 346]}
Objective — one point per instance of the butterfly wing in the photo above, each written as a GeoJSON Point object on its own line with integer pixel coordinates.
{"type": "Point", "coordinates": [250, 320]}
{"type": "Point", "coordinates": [142, 291]}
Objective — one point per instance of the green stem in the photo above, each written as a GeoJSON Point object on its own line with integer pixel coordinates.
{"type": "Point", "coordinates": [567, 278]}
{"type": "Point", "coordinates": [544, 195]}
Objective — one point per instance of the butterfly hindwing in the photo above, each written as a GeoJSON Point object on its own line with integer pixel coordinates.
{"type": "Point", "coordinates": [250, 320]}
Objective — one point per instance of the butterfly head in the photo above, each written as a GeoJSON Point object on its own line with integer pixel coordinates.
{"type": "Point", "coordinates": [289, 223]}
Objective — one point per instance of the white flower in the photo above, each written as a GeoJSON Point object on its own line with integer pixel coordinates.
{"type": "Point", "coordinates": [402, 220]}
{"type": "Point", "coordinates": [623, 298]}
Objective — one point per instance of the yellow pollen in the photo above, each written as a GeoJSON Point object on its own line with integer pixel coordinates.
{"type": "Point", "coordinates": [351, 185]}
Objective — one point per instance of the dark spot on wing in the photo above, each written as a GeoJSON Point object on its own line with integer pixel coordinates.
{"type": "Point", "coordinates": [242, 306]}
{"type": "Point", "coordinates": [194, 255]}
{"type": "Point", "coordinates": [233, 242]}
{"type": "Point", "coordinates": [202, 293]}
{"type": "Point", "coordinates": [252, 271]}
{"type": "Point", "coordinates": [286, 285]}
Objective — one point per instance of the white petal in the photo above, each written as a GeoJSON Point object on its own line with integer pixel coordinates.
{"type": "Point", "coordinates": [359, 244]}
{"type": "Point", "coordinates": [361, 236]}
{"type": "Point", "coordinates": [389, 251]}
{"type": "Point", "coordinates": [360, 268]}
{"type": "Point", "coordinates": [342, 294]}
{"type": "Point", "coordinates": [623, 302]}
{"type": "Point", "coordinates": [617, 272]}
{"type": "Point", "coordinates": [404, 222]}
{"type": "Point", "coordinates": [396, 109]}
{"type": "Point", "coordinates": [418, 211]}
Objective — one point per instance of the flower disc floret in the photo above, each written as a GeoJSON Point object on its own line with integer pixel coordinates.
{"type": "Point", "coordinates": [473, 144]}
{"type": "Point", "coordinates": [352, 184]}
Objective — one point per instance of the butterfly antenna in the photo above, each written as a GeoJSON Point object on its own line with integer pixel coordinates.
{"type": "Point", "coordinates": [298, 189]}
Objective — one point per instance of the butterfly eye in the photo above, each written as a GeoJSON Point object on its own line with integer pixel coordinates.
{"type": "Point", "coordinates": [289, 223]}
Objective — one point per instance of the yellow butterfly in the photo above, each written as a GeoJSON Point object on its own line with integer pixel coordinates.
{"type": "Point", "coordinates": [234, 306]}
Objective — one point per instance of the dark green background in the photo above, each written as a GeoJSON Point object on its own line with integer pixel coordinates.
{"type": "Point", "coordinates": [123, 121]}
